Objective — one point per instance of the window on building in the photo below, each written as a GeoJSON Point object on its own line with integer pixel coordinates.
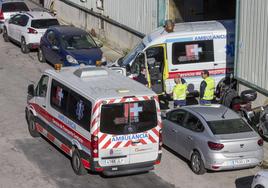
{"type": "Point", "coordinates": [193, 52]}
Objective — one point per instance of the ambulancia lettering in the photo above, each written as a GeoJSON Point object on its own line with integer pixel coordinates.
{"type": "Point", "coordinates": [122, 138]}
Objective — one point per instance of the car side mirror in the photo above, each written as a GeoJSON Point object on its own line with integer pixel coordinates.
{"type": "Point", "coordinates": [31, 90]}
{"type": "Point", "coordinates": [100, 45]}
{"type": "Point", "coordinates": [55, 48]}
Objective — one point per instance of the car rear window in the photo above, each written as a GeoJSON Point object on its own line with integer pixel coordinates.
{"type": "Point", "coordinates": [230, 126]}
{"type": "Point", "coordinates": [128, 118]}
{"type": "Point", "coordinates": [14, 7]}
{"type": "Point", "coordinates": [44, 23]}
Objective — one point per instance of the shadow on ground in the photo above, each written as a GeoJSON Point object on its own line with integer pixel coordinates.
{"type": "Point", "coordinates": [56, 166]}
{"type": "Point", "coordinates": [244, 182]}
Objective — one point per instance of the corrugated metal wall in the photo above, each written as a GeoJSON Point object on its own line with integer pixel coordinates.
{"type": "Point", "coordinates": [252, 43]}
{"type": "Point", "coordinates": [140, 15]}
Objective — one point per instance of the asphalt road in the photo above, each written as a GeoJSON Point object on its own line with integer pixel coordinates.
{"type": "Point", "coordinates": [28, 162]}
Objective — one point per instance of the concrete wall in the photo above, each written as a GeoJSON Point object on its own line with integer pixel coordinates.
{"type": "Point", "coordinates": [113, 35]}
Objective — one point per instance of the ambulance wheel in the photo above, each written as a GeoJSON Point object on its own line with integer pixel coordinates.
{"type": "Point", "coordinates": [77, 165]}
{"type": "Point", "coordinates": [5, 35]}
{"type": "Point", "coordinates": [40, 56]}
{"type": "Point", "coordinates": [24, 47]}
{"type": "Point", "coordinates": [197, 164]}
{"type": "Point", "coordinates": [31, 126]}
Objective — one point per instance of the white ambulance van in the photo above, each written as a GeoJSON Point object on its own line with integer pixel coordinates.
{"type": "Point", "coordinates": [103, 120]}
{"type": "Point", "coordinates": [189, 49]}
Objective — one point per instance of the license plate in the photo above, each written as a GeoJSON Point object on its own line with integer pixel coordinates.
{"type": "Point", "coordinates": [114, 161]}
{"type": "Point", "coordinates": [241, 161]}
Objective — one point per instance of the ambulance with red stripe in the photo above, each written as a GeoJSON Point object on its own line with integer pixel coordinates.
{"type": "Point", "coordinates": [187, 50]}
{"type": "Point", "coordinates": [103, 120]}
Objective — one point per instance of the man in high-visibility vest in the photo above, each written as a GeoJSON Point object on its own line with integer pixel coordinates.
{"type": "Point", "coordinates": [207, 88]}
{"type": "Point", "coordinates": [179, 92]}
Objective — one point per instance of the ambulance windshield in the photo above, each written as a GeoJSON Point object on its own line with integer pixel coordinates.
{"type": "Point", "coordinates": [131, 55]}
{"type": "Point", "coordinates": [128, 118]}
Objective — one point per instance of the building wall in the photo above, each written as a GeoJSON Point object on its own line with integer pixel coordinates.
{"type": "Point", "coordinates": [252, 47]}
{"type": "Point", "coordinates": [142, 16]}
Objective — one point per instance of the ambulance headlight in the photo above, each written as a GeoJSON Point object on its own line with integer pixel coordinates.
{"type": "Point", "coordinates": [70, 59]}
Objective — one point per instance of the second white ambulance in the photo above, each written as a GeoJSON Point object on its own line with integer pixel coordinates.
{"type": "Point", "coordinates": [105, 121]}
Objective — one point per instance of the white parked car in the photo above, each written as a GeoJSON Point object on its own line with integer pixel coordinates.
{"type": "Point", "coordinates": [27, 28]}
{"type": "Point", "coordinates": [260, 180]}
{"type": "Point", "coordinates": [10, 7]}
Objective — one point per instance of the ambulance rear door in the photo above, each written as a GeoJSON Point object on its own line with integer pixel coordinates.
{"type": "Point", "coordinates": [131, 132]}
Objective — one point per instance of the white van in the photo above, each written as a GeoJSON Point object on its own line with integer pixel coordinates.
{"type": "Point", "coordinates": [105, 121]}
{"type": "Point", "coordinates": [189, 49]}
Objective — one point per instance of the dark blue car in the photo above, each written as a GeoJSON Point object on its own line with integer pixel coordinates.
{"type": "Point", "coordinates": [69, 46]}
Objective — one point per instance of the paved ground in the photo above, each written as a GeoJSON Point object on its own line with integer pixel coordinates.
{"type": "Point", "coordinates": [28, 162]}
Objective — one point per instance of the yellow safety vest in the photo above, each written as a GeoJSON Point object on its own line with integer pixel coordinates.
{"type": "Point", "coordinates": [209, 91]}
{"type": "Point", "coordinates": [179, 92]}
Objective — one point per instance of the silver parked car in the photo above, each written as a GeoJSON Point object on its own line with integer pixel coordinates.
{"type": "Point", "coordinates": [212, 137]}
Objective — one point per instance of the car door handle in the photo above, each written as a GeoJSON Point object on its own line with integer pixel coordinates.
{"type": "Point", "coordinates": [189, 138]}
{"type": "Point", "coordinates": [44, 105]}
{"type": "Point", "coordinates": [174, 130]}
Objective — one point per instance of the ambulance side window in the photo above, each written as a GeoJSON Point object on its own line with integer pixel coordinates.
{"type": "Point", "coordinates": [79, 110]}
{"type": "Point", "coordinates": [59, 96]}
{"type": "Point", "coordinates": [41, 89]}
{"type": "Point", "coordinates": [192, 52]}
{"type": "Point", "coordinates": [138, 64]}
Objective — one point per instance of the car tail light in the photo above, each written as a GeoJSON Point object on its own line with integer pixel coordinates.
{"type": "Point", "coordinates": [2, 15]}
{"type": "Point", "coordinates": [215, 146]}
{"type": "Point", "coordinates": [160, 140]}
{"type": "Point", "coordinates": [94, 146]}
{"type": "Point", "coordinates": [32, 31]}
{"type": "Point", "coordinates": [260, 142]}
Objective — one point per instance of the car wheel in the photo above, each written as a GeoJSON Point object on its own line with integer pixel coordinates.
{"type": "Point", "coordinates": [77, 165]}
{"type": "Point", "coordinates": [197, 164]}
{"type": "Point", "coordinates": [24, 47]}
{"type": "Point", "coordinates": [40, 56]}
{"type": "Point", "coordinates": [5, 35]}
{"type": "Point", "coordinates": [31, 126]}
{"type": "Point", "coordinates": [259, 186]}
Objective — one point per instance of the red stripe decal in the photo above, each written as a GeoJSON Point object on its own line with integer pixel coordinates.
{"type": "Point", "coordinates": [142, 141]}
{"type": "Point", "coordinates": [146, 98]}
{"type": "Point", "coordinates": [65, 148]}
{"type": "Point", "coordinates": [94, 121]}
{"type": "Point", "coordinates": [111, 101]}
{"type": "Point", "coordinates": [83, 140]}
{"type": "Point", "coordinates": [102, 138]}
{"type": "Point", "coordinates": [107, 144]}
{"type": "Point", "coordinates": [117, 144]}
{"type": "Point", "coordinates": [152, 139]}
{"type": "Point", "coordinates": [50, 137]}
{"type": "Point", "coordinates": [155, 132]}
{"type": "Point", "coordinates": [127, 144]}
{"type": "Point", "coordinates": [197, 73]}
{"type": "Point", "coordinates": [135, 99]}
{"type": "Point", "coordinates": [85, 163]}
{"type": "Point", "coordinates": [123, 100]}
{"type": "Point", "coordinates": [38, 127]}
{"type": "Point", "coordinates": [97, 105]}
{"type": "Point", "coordinates": [95, 133]}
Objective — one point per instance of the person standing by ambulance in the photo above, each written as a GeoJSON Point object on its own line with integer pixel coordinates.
{"type": "Point", "coordinates": [207, 88]}
{"type": "Point", "coordinates": [179, 91]}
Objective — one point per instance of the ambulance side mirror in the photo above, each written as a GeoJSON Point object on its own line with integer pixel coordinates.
{"type": "Point", "coordinates": [31, 90]}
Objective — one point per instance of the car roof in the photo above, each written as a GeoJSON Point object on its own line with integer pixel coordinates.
{"type": "Point", "coordinates": [39, 15]}
{"type": "Point", "coordinates": [68, 30]}
{"type": "Point", "coordinates": [102, 84]}
{"type": "Point", "coordinates": [213, 112]}
{"type": "Point", "coordinates": [10, 1]}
